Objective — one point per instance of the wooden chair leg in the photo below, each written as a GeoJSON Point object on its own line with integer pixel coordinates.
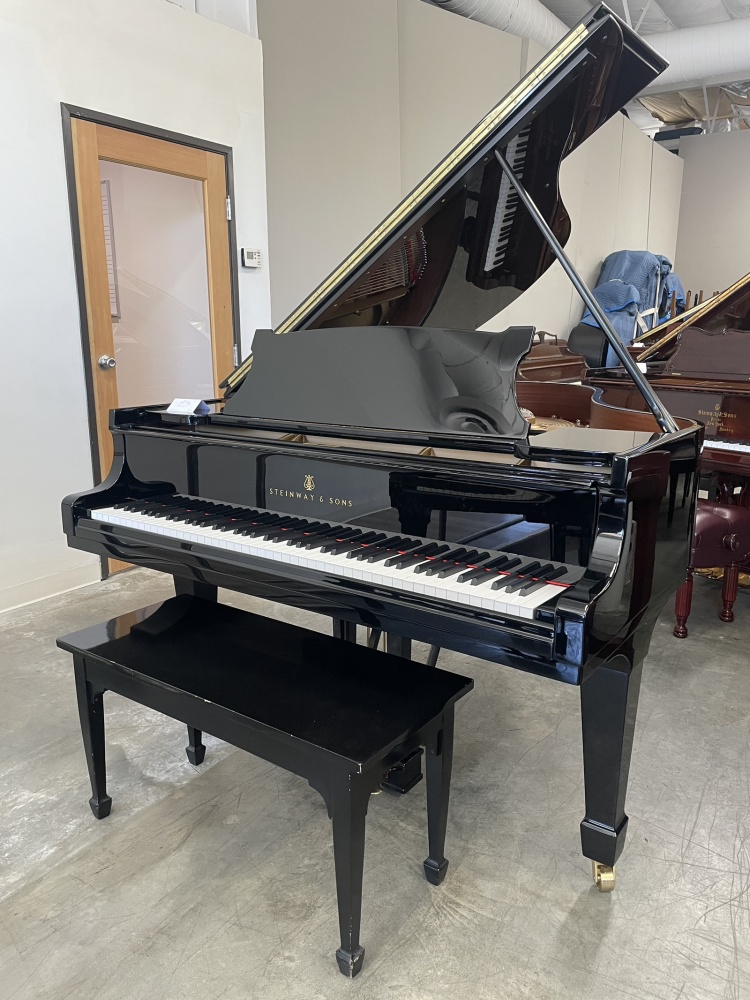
{"type": "Point", "coordinates": [195, 750]}
{"type": "Point", "coordinates": [729, 591]}
{"type": "Point", "coordinates": [348, 807]}
{"type": "Point", "coordinates": [91, 714]}
{"type": "Point", "coordinates": [682, 604]}
{"type": "Point", "coordinates": [439, 762]}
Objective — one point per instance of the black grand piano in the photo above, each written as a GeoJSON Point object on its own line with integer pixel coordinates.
{"type": "Point", "coordinates": [370, 462]}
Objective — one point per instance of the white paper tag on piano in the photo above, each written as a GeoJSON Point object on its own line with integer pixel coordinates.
{"type": "Point", "coordinates": [188, 407]}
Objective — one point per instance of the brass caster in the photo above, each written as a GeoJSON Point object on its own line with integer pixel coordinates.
{"type": "Point", "coordinates": [604, 876]}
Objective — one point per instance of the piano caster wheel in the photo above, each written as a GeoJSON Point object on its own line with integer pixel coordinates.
{"type": "Point", "coordinates": [604, 876]}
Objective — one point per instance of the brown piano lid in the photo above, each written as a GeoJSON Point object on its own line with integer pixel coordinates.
{"type": "Point", "coordinates": [460, 247]}
{"type": "Point", "coordinates": [724, 311]}
{"type": "Point", "coordinates": [715, 355]}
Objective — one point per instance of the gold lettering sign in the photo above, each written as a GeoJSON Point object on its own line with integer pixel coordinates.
{"type": "Point", "coordinates": [307, 494]}
{"type": "Point", "coordinates": [716, 417]}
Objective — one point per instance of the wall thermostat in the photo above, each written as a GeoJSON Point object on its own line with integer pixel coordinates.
{"type": "Point", "coordinates": [251, 258]}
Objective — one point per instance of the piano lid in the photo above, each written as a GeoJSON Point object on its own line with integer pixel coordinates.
{"type": "Point", "coordinates": [721, 314]}
{"type": "Point", "coordinates": [460, 247]}
{"type": "Point", "coordinates": [413, 383]}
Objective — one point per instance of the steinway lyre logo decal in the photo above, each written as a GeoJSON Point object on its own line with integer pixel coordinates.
{"type": "Point", "coordinates": [309, 484]}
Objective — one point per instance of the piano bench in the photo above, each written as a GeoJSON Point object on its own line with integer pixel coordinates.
{"type": "Point", "coordinates": [338, 714]}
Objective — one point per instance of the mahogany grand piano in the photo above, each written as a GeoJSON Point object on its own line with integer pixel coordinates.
{"type": "Point", "coordinates": [370, 462]}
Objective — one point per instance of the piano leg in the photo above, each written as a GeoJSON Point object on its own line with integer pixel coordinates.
{"type": "Point", "coordinates": [182, 585]}
{"type": "Point", "coordinates": [439, 763]}
{"type": "Point", "coordinates": [402, 777]}
{"type": "Point", "coordinates": [195, 749]}
{"type": "Point", "coordinates": [91, 713]}
{"type": "Point", "coordinates": [609, 701]}
{"type": "Point", "coordinates": [398, 645]}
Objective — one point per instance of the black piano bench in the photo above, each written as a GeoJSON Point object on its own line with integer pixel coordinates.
{"type": "Point", "coordinates": [338, 714]}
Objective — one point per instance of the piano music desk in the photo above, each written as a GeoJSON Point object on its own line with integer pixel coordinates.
{"type": "Point", "coordinates": [335, 713]}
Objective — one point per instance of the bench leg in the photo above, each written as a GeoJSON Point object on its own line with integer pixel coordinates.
{"type": "Point", "coordinates": [729, 591]}
{"type": "Point", "coordinates": [195, 749]}
{"type": "Point", "coordinates": [682, 604]}
{"type": "Point", "coordinates": [348, 812]}
{"type": "Point", "coordinates": [439, 761]}
{"type": "Point", "coordinates": [91, 713]}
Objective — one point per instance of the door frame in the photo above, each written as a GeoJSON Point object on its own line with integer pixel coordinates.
{"type": "Point", "coordinates": [68, 112]}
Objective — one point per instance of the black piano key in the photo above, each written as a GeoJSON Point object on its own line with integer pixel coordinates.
{"type": "Point", "coordinates": [449, 556]}
{"type": "Point", "coordinates": [291, 536]}
{"type": "Point", "coordinates": [460, 567]}
{"type": "Point", "coordinates": [201, 515]}
{"type": "Point", "coordinates": [448, 563]}
{"type": "Point", "coordinates": [216, 518]}
{"type": "Point", "coordinates": [388, 542]}
{"type": "Point", "coordinates": [512, 581]}
{"type": "Point", "coordinates": [281, 529]}
{"type": "Point", "coordinates": [451, 565]}
{"type": "Point", "coordinates": [427, 551]}
{"type": "Point", "coordinates": [313, 538]}
{"type": "Point", "coordinates": [479, 575]}
{"type": "Point", "coordinates": [236, 521]}
{"type": "Point", "coordinates": [402, 549]}
{"type": "Point", "coordinates": [542, 579]}
{"type": "Point", "coordinates": [341, 537]}
{"type": "Point", "coordinates": [317, 541]}
{"type": "Point", "coordinates": [355, 541]}
{"type": "Point", "coordinates": [259, 526]}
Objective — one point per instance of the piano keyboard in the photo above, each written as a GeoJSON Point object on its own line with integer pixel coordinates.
{"type": "Point", "coordinates": [726, 445]}
{"type": "Point", "coordinates": [495, 581]}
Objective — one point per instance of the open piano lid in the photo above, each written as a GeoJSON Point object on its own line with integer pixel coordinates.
{"type": "Point", "coordinates": [451, 256]}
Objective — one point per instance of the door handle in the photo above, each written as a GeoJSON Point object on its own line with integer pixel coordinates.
{"type": "Point", "coordinates": [105, 362]}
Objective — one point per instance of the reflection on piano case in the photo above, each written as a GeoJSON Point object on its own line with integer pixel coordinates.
{"type": "Point", "coordinates": [371, 463]}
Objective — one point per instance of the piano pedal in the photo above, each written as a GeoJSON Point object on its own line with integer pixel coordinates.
{"type": "Point", "coordinates": [402, 777]}
{"type": "Point", "coordinates": [604, 876]}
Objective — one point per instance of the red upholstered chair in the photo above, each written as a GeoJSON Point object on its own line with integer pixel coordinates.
{"type": "Point", "coordinates": [721, 538]}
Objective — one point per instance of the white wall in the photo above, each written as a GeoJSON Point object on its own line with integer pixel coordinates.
{"type": "Point", "coordinates": [332, 148]}
{"type": "Point", "coordinates": [147, 61]}
{"type": "Point", "coordinates": [713, 246]}
{"type": "Point", "coordinates": [452, 71]}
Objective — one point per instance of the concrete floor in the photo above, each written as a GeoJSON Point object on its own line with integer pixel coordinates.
{"type": "Point", "coordinates": [217, 882]}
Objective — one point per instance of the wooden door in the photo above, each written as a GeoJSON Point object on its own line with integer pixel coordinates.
{"type": "Point", "coordinates": [93, 143]}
